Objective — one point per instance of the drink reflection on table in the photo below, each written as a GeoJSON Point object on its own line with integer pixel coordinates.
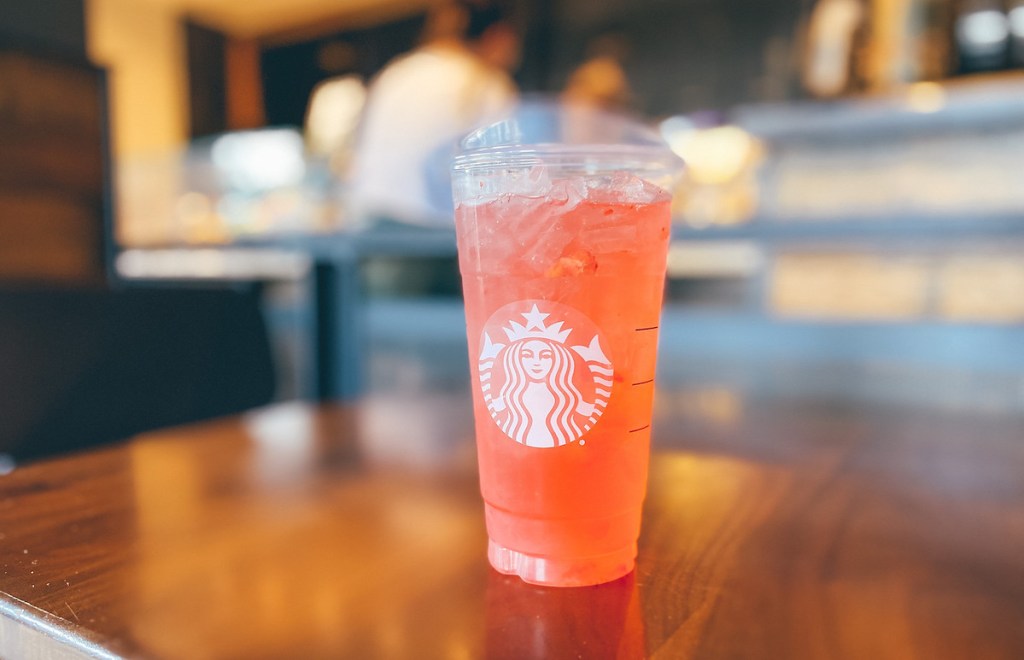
{"type": "Point", "coordinates": [525, 621]}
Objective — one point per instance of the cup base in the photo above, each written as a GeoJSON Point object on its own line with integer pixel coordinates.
{"type": "Point", "coordinates": [551, 572]}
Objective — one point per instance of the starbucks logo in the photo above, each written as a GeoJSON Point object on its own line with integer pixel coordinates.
{"type": "Point", "coordinates": [543, 373]}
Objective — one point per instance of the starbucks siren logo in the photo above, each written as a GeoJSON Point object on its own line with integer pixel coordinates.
{"type": "Point", "coordinates": [541, 388]}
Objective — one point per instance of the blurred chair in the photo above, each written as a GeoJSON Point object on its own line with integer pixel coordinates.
{"type": "Point", "coordinates": [84, 367]}
{"type": "Point", "coordinates": [82, 364]}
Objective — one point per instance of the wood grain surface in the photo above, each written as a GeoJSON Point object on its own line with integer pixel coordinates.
{"type": "Point", "coordinates": [782, 530]}
{"type": "Point", "coordinates": [52, 168]}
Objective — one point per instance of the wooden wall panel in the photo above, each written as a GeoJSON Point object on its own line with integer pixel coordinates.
{"type": "Point", "coordinates": [52, 169]}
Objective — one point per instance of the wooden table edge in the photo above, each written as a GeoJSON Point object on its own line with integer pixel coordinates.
{"type": "Point", "coordinates": [27, 632]}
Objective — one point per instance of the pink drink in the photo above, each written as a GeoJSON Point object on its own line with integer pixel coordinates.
{"type": "Point", "coordinates": [563, 297]}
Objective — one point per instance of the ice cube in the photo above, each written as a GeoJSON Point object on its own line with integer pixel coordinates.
{"type": "Point", "coordinates": [631, 188]}
{"type": "Point", "coordinates": [520, 232]}
{"type": "Point", "coordinates": [491, 186]}
{"type": "Point", "coordinates": [606, 238]}
{"type": "Point", "coordinates": [569, 192]}
{"type": "Point", "coordinates": [624, 188]}
{"type": "Point", "coordinates": [545, 232]}
{"type": "Point", "coordinates": [534, 182]}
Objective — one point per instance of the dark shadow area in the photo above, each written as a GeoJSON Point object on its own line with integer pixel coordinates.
{"type": "Point", "coordinates": [81, 367]}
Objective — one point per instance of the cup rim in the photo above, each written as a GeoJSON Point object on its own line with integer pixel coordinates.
{"type": "Point", "coordinates": [594, 156]}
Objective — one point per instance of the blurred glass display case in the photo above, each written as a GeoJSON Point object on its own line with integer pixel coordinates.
{"type": "Point", "coordinates": [880, 240]}
{"type": "Point", "coordinates": [869, 247]}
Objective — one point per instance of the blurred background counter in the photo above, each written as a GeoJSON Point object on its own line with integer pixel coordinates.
{"type": "Point", "coordinates": [851, 227]}
{"type": "Point", "coordinates": [862, 248]}
{"type": "Point", "coordinates": [878, 241]}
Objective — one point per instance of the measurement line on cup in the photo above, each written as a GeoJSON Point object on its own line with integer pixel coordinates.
{"type": "Point", "coordinates": [644, 382]}
{"type": "Point", "coordinates": [653, 327]}
{"type": "Point", "coordinates": [640, 429]}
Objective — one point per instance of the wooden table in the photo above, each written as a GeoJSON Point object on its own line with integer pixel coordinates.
{"type": "Point", "coordinates": [783, 530]}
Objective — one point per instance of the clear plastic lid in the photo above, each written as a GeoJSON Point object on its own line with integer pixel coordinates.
{"type": "Point", "coordinates": [571, 138]}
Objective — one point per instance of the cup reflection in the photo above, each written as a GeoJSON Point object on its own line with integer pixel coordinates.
{"type": "Point", "coordinates": [525, 621]}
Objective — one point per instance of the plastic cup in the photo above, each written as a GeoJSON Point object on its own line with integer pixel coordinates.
{"type": "Point", "coordinates": [563, 223]}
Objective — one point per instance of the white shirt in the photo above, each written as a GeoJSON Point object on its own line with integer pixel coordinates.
{"type": "Point", "coordinates": [417, 104]}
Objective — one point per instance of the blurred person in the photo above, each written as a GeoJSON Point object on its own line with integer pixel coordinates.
{"type": "Point", "coordinates": [831, 47]}
{"type": "Point", "coordinates": [424, 100]}
{"type": "Point", "coordinates": [600, 80]}
{"type": "Point", "coordinates": [332, 117]}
